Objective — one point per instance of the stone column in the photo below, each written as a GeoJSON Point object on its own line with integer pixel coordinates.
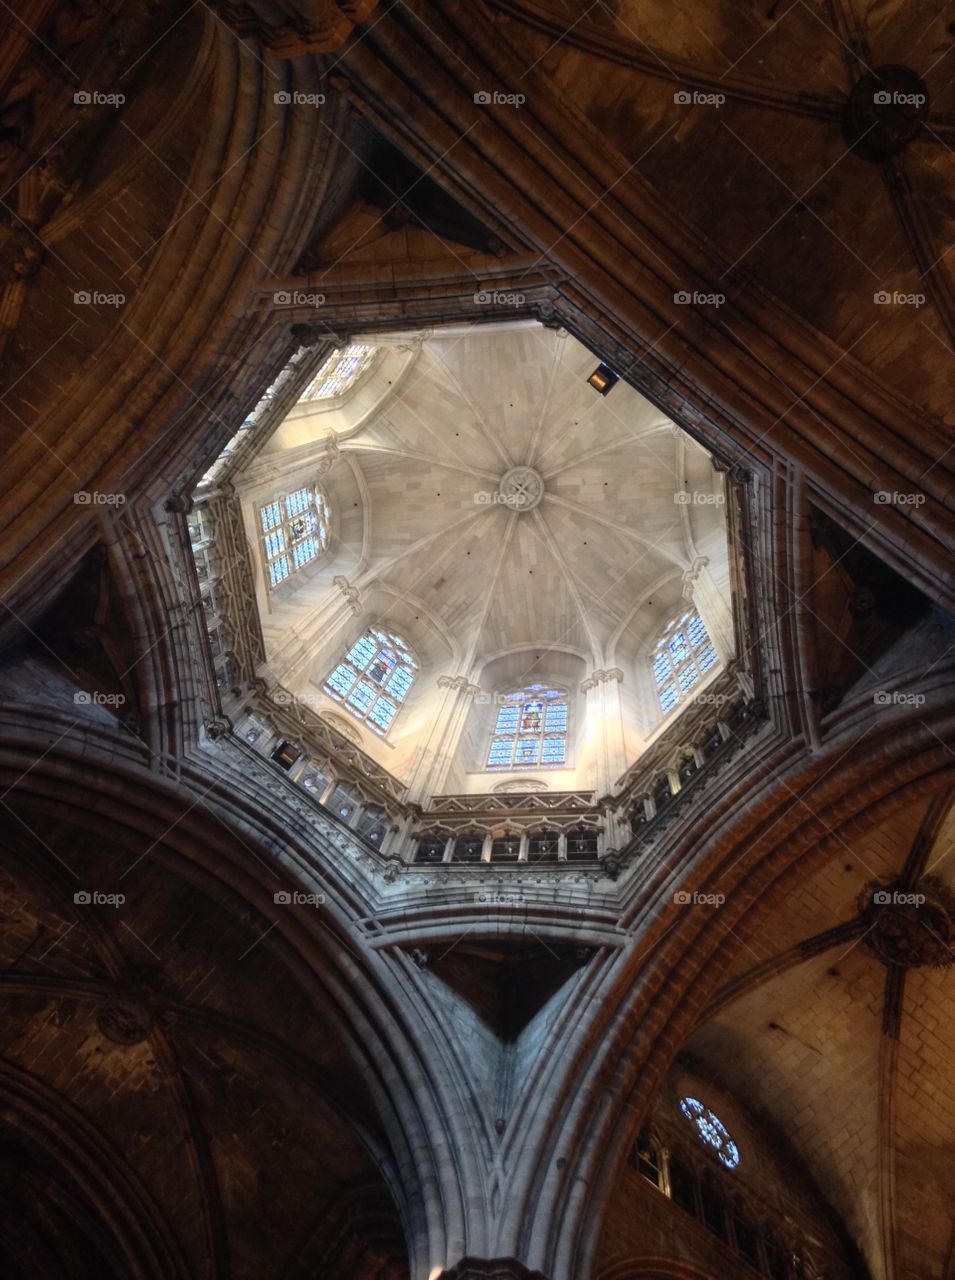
{"type": "Point", "coordinates": [432, 765]}
{"type": "Point", "coordinates": [605, 725]}
{"type": "Point", "coordinates": [702, 592]}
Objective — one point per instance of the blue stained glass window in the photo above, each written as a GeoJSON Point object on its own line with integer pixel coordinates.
{"type": "Point", "coordinates": [304, 552]}
{"type": "Point", "coordinates": [361, 653]}
{"type": "Point", "coordinates": [679, 649]}
{"type": "Point", "coordinates": [530, 729]}
{"type": "Point", "coordinates": [279, 570]}
{"type": "Point", "coordinates": [362, 695]}
{"type": "Point", "coordinates": [706, 658]}
{"type": "Point", "coordinates": [555, 721]}
{"type": "Point", "coordinates": [661, 668]}
{"type": "Point", "coordinates": [669, 698]}
{"type": "Point", "coordinates": [298, 523]}
{"type": "Point", "coordinates": [682, 657]}
{"type": "Point", "coordinates": [382, 666]}
{"type": "Point", "coordinates": [506, 720]}
{"type": "Point", "coordinates": [341, 679]}
{"type": "Point", "coordinates": [711, 1131]}
{"type": "Point", "coordinates": [400, 683]}
{"type": "Point", "coordinates": [382, 713]}
{"type": "Point", "coordinates": [531, 717]}
{"type": "Point", "coordinates": [270, 515]}
{"type": "Point", "coordinates": [688, 678]}
{"type": "Point", "coordinates": [339, 372]}
{"type": "Point", "coordinates": [696, 631]}
{"type": "Point", "coordinates": [374, 678]}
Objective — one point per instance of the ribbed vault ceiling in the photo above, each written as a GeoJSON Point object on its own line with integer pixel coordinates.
{"type": "Point", "coordinates": [498, 572]}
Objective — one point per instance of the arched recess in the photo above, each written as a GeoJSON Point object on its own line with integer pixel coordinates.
{"type": "Point", "coordinates": [222, 834]}
{"type": "Point", "coordinates": [650, 996]}
{"type": "Point", "coordinates": [75, 1187]}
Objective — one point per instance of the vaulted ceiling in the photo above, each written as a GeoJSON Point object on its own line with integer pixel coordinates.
{"type": "Point", "coordinates": [851, 1056]}
{"type": "Point", "coordinates": [602, 528]}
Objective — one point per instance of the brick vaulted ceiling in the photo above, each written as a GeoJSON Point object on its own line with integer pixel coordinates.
{"type": "Point", "coordinates": [765, 172]}
{"type": "Point", "coordinates": [852, 1059]}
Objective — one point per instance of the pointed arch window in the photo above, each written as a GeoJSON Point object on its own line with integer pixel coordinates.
{"type": "Point", "coordinates": [339, 372]}
{"type": "Point", "coordinates": [294, 528]}
{"type": "Point", "coordinates": [683, 656]}
{"type": "Point", "coordinates": [530, 730]}
{"type": "Point", "coordinates": [374, 678]}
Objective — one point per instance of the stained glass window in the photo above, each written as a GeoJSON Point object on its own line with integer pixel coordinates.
{"type": "Point", "coordinates": [339, 372]}
{"type": "Point", "coordinates": [711, 1130]}
{"type": "Point", "coordinates": [683, 656]}
{"type": "Point", "coordinates": [374, 678]}
{"type": "Point", "coordinates": [294, 529]}
{"type": "Point", "coordinates": [530, 729]}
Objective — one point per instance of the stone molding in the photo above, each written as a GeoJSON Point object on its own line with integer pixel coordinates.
{"type": "Point", "coordinates": [461, 683]}
{"type": "Point", "coordinates": [601, 677]}
{"type": "Point", "coordinates": [351, 594]}
{"type": "Point", "coordinates": [692, 575]}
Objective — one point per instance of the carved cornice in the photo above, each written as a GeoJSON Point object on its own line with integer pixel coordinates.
{"type": "Point", "coordinates": [607, 676]}
{"type": "Point", "coordinates": [509, 802]}
{"type": "Point", "coordinates": [351, 594]}
{"type": "Point", "coordinates": [330, 456]}
{"type": "Point", "coordinates": [692, 575]}
{"type": "Point", "coordinates": [461, 683]}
